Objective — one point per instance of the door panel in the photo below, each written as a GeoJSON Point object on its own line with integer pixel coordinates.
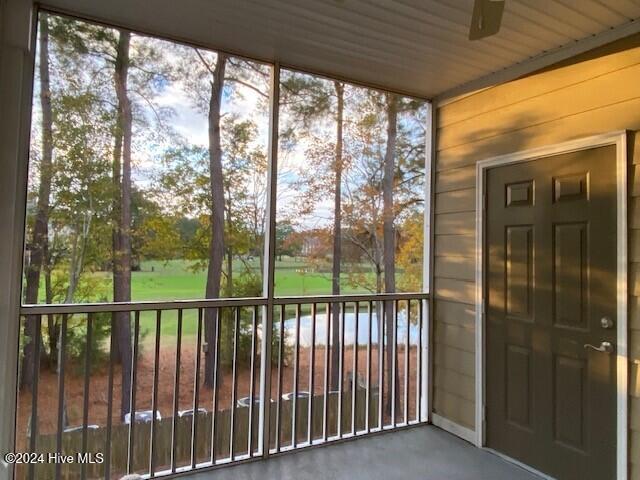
{"type": "Point", "coordinates": [569, 378]}
{"type": "Point", "coordinates": [550, 277]}
{"type": "Point", "coordinates": [519, 263]}
{"type": "Point", "coordinates": [518, 385]}
{"type": "Point", "coordinates": [570, 283]}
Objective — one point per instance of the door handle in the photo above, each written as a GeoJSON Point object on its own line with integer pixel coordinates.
{"type": "Point", "coordinates": [605, 347]}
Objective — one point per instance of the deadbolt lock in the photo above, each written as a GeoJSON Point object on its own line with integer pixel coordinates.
{"type": "Point", "coordinates": [606, 323]}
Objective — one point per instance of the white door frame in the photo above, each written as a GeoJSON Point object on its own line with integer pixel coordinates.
{"type": "Point", "coordinates": [619, 139]}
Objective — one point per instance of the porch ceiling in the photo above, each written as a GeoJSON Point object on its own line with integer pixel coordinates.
{"type": "Point", "coordinates": [418, 47]}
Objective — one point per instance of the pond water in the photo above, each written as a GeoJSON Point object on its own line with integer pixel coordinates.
{"type": "Point", "coordinates": [349, 333]}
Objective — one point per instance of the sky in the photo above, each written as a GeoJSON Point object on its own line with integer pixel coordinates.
{"type": "Point", "coordinates": [191, 123]}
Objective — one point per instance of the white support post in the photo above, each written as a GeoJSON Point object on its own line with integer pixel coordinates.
{"type": "Point", "coordinates": [427, 272]}
{"type": "Point", "coordinates": [16, 78]}
{"type": "Point", "coordinates": [269, 266]}
{"type": "Point", "coordinates": [428, 179]}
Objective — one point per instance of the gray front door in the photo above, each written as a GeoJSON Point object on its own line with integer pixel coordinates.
{"type": "Point", "coordinates": [551, 292]}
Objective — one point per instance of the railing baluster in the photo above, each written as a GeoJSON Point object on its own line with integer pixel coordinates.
{"type": "Point", "coordinates": [254, 320]}
{"type": "Point", "coordinates": [61, 414]}
{"type": "Point", "coordinates": [214, 414]}
{"type": "Point", "coordinates": [325, 403]}
{"type": "Point", "coordinates": [368, 392]}
{"type": "Point", "coordinates": [37, 339]}
{"type": "Point", "coordinates": [132, 398]}
{"type": "Point", "coordinates": [85, 402]}
{"type": "Point", "coordinates": [176, 392]}
{"type": "Point", "coordinates": [280, 373]}
{"type": "Point", "coordinates": [407, 360]}
{"type": "Point", "coordinates": [354, 373]}
{"type": "Point", "coordinates": [154, 398]}
{"type": "Point", "coordinates": [341, 367]}
{"type": "Point", "coordinates": [312, 355]}
{"type": "Point", "coordinates": [196, 392]}
{"type": "Point", "coordinates": [394, 363]}
{"type": "Point", "coordinates": [112, 361]}
{"type": "Point", "coordinates": [381, 309]}
{"type": "Point", "coordinates": [419, 379]}
{"type": "Point", "coordinates": [234, 382]}
{"type": "Point", "coordinates": [386, 307]}
{"type": "Point", "coordinates": [296, 361]}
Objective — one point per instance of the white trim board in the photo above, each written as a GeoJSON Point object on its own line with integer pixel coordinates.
{"type": "Point", "coordinates": [17, 60]}
{"type": "Point", "coordinates": [619, 139]}
{"type": "Point", "coordinates": [454, 428]}
{"type": "Point", "coordinates": [524, 466]}
{"type": "Point", "coordinates": [427, 267]}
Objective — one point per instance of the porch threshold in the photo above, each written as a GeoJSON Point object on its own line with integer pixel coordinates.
{"type": "Point", "coordinates": [425, 452]}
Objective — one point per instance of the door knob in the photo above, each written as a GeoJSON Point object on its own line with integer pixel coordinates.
{"type": "Point", "coordinates": [605, 347]}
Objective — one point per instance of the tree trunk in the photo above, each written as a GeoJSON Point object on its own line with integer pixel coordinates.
{"type": "Point", "coordinates": [52, 324]}
{"type": "Point", "coordinates": [78, 252]}
{"type": "Point", "coordinates": [229, 292]}
{"type": "Point", "coordinates": [389, 239]}
{"type": "Point", "coordinates": [116, 213]}
{"type": "Point", "coordinates": [337, 241]}
{"type": "Point", "coordinates": [225, 352]}
{"type": "Point", "coordinates": [122, 234]}
{"type": "Point", "coordinates": [377, 256]}
{"type": "Point", "coordinates": [216, 244]}
{"type": "Point", "coordinates": [39, 242]}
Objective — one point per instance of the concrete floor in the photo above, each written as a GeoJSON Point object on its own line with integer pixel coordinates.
{"type": "Point", "coordinates": [425, 453]}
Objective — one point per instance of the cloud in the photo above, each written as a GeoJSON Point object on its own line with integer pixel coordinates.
{"type": "Point", "coordinates": [187, 120]}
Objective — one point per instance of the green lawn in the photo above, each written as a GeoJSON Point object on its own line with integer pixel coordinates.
{"type": "Point", "coordinates": [174, 280]}
{"type": "Point", "coordinates": [171, 280]}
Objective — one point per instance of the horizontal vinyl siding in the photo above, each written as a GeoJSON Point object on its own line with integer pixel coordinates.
{"type": "Point", "coordinates": [455, 359]}
{"type": "Point", "coordinates": [453, 407]}
{"type": "Point", "coordinates": [456, 267]}
{"type": "Point", "coordinates": [456, 179]}
{"type": "Point", "coordinates": [455, 336]}
{"type": "Point", "coordinates": [594, 93]}
{"type": "Point", "coordinates": [460, 223]}
{"type": "Point", "coordinates": [462, 245]}
{"type": "Point", "coordinates": [586, 96]}
{"type": "Point", "coordinates": [583, 124]}
{"type": "Point", "coordinates": [586, 66]}
{"type": "Point", "coordinates": [454, 290]}
{"type": "Point", "coordinates": [455, 383]}
{"type": "Point", "coordinates": [456, 201]}
{"type": "Point", "coordinates": [454, 313]}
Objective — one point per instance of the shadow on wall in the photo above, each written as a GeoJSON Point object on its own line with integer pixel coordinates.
{"type": "Point", "coordinates": [491, 131]}
{"type": "Point", "coordinates": [455, 229]}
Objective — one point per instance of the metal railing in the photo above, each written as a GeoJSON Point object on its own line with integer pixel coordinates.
{"type": "Point", "coordinates": [339, 367]}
